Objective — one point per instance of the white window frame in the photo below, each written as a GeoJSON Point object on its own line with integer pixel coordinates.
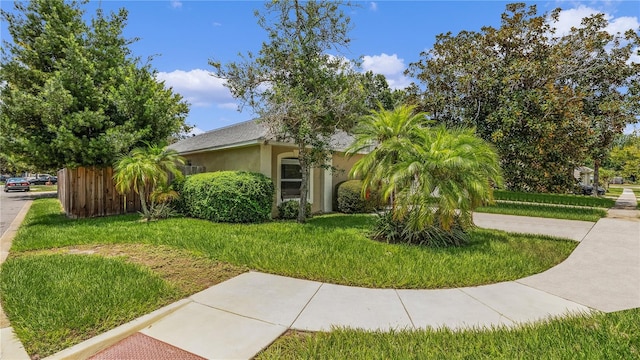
{"type": "Point", "coordinates": [291, 157]}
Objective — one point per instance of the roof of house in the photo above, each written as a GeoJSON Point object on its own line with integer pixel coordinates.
{"type": "Point", "coordinates": [241, 134]}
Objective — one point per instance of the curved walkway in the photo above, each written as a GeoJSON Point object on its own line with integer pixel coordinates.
{"type": "Point", "coordinates": [238, 318]}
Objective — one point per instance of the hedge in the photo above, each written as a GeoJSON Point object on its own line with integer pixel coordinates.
{"type": "Point", "coordinates": [350, 201]}
{"type": "Point", "coordinates": [228, 196]}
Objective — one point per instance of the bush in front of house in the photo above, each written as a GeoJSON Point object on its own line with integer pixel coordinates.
{"type": "Point", "coordinates": [288, 210]}
{"type": "Point", "coordinates": [177, 185]}
{"type": "Point", "coordinates": [350, 199]}
{"type": "Point", "coordinates": [391, 230]}
{"type": "Point", "coordinates": [228, 196]}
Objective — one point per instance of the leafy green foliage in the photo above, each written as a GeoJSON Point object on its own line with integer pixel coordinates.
{"type": "Point", "coordinates": [300, 89]}
{"type": "Point", "coordinates": [72, 94]}
{"type": "Point", "coordinates": [229, 196]}
{"type": "Point", "coordinates": [352, 200]}
{"type": "Point", "coordinates": [434, 176]}
{"type": "Point", "coordinates": [146, 171]}
{"type": "Point", "coordinates": [393, 230]}
{"type": "Point", "coordinates": [289, 210]}
{"type": "Point", "coordinates": [543, 120]}
{"type": "Point", "coordinates": [625, 158]}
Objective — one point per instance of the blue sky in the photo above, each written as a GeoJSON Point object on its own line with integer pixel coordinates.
{"type": "Point", "coordinates": [388, 35]}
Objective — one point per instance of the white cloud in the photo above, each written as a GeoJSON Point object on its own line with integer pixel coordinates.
{"type": "Point", "coordinates": [215, 23]}
{"type": "Point", "coordinates": [176, 4]}
{"type": "Point", "coordinates": [383, 64]}
{"type": "Point", "coordinates": [622, 24]}
{"type": "Point", "coordinates": [573, 17]}
{"type": "Point", "coordinates": [373, 6]}
{"type": "Point", "coordinates": [388, 65]}
{"type": "Point", "coordinates": [198, 87]}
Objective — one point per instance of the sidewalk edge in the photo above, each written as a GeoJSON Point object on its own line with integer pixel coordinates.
{"type": "Point", "coordinates": [98, 343]}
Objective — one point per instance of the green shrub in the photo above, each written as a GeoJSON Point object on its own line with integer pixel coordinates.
{"type": "Point", "coordinates": [288, 210]}
{"type": "Point", "coordinates": [178, 204]}
{"type": "Point", "coordinates": [229, 196]}
{"type": "Point", "coordinates": [392, 230]}
{"type": "Point", "coordinates": [350, 201]}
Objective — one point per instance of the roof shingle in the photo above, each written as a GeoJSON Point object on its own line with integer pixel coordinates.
{"type": "Point", "coordinates": [241, 134]}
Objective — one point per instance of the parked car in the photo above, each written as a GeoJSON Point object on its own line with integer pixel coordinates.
{"type": "Point", "coordinates": [588, 190]}
{"type": "Point", "coordinates": [44, 179]}
{"type": "Point", "coordinates": [21, 184]}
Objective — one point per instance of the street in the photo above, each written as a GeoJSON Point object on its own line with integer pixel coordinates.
{"type": "Point", "coordinates": [12, 202]}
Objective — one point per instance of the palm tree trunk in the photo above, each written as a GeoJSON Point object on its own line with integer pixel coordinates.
{"type": "Point", "coordinates": [143, 201]}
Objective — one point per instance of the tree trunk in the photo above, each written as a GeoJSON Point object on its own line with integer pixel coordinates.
{"type": "Point", "coordinates": [143, 201]}
{"type": "Point", "coordinates": [596, 177]}
{"type": "Point", "coordinates": [304, 168]}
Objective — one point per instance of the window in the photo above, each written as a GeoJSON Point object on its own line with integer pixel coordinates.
{"type": "Point", "coordinates": [290, 178]}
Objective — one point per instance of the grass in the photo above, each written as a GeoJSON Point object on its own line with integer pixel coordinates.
{"type": "Point", "coordinates": [599, 336]}
{"type": "Point", "coordinates": [56, 299]}
{"type": "Point", "coordinates": [545, 211]}
{"type": "Point", "coordinates": [333, 248]}
{"type": "Point", "coordinates": [614, 191]}
{"type": "Point", "coordinates": [41, 188]}
{"type": "Point", "coordinates": [558, 199]}
{"type": "Point", "coordinates": [70, 297]}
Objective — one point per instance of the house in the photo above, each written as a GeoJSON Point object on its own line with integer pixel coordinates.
{"type": "Point", "coordinates": [249, 146]}
{"type": "Point", "coordinates": [584, 175]}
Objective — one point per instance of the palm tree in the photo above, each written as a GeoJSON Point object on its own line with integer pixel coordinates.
{"type": "Point", "coordinates": [390, 133]}
{"type": "Point", "coordinates": [438, 175]}
{"type": "Point", "coordinates": [445, 178]}
{"type": "Point", "coordinates": [144, 169]}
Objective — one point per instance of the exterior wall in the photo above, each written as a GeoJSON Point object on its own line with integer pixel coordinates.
{"type": "Point", "coordinates": [265, 159]}
{"type": "Point", "coordinates": [318, 202]}
{"type": "Point", "coordinates": [241, 159]}
{"type": "Point", "coordinates": [344, 165]}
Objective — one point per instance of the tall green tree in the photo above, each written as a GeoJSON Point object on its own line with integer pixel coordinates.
{"type": "Point", "coordinates": [545, 100]}
{"type": "Point", "coordinates": [625, 158]}
{"type": "Point", "coordinates": [72, 92]}
{"type": "Point", "coordinates": [298, 83]}
{"type": "Point", "coordinates": [437, 176]}
{"type": "Point", "coordinates": [378, 93]}
{"type": "Point", "coordinates": [599, 66]}
{"type": "Point", "coordinates": [144, 170]}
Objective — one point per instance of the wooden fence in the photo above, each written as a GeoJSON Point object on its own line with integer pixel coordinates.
{"type": "Point", "coordinates": [91, 192]}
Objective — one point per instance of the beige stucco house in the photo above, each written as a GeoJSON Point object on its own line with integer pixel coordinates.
{"type": "Point", "coordinates": [248, 146]}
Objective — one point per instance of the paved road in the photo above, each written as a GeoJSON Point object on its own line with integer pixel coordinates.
{"type": "Point", "coordinates": [10, 205]}
{"type": "Point", "coordinates": [12, 202]}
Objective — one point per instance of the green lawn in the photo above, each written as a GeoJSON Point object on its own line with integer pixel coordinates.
{"type": "Point", "coordinates": [599, 336]}
{"type": "Point", "coordinates": [41, 188]}
{"type": "Point", "coordinates": [332, 248]}
{"type": "Point", "coordinates": [55, 301]}
{"type": "Point", "coordinates": [558, 199]}
{"type": "Point", "coordinates": [545, 211]}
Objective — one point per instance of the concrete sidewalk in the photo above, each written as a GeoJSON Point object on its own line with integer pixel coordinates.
{"type": "Point", "coordinates": [240, 317]}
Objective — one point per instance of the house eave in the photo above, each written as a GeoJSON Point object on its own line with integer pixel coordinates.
{"type": "Point", "coordinates": [224, 147]}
